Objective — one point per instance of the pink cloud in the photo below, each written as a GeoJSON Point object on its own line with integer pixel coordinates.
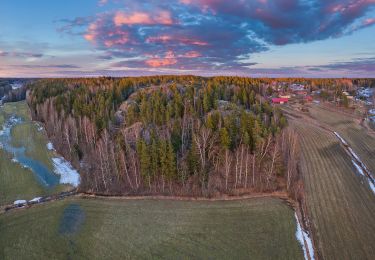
{"type": "Point", "coordinates": [191, 54]}
{"type": "Point", "coordinates": [169, 38]}
{"type": "Point", "coordinates": [169, 59]}
{"type": "Point", "coordinates": [368, 22]}
{"type": "Point", "coordinates": [161, 17]}
{"type": "Point", "coordinates": [91, 32]}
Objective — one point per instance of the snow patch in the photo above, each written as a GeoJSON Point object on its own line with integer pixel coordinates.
{"type": "Point", "coordinates": [35, 200]}
{"type": "Point", "coordinates": [20, 202]}
{"type": "Point", "coordinates": [305, 240]}
{"type": "Point", "coordinates": [341, 139]}
{"type": "Point", "coordinates": [68, 175]}
{"type": "Point", "coordinates": [50, 146]}
{"type": "Point", "coordinates": [16, 85]}
{"type": "Point", "coordinates": [359, 169]}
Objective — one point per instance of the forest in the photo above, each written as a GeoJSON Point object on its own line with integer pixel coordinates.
{"type": "Point", "coordinates": [180, 135]}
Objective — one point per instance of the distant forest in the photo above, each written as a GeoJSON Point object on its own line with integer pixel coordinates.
{"type": "Point", "coordinates": [181, 135]}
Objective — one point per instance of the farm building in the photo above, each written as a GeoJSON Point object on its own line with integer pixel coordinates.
{"type": "Point", "coordinates": [279, 100]}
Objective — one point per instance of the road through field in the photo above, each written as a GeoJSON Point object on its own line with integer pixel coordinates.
{"type": "Point", "coordinates": [341, 206]}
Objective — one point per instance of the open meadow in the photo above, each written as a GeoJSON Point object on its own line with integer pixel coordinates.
{"type": "Point", "coordinates": [340, 203]}
{"type": "Point", "coordinates": [263, 228]}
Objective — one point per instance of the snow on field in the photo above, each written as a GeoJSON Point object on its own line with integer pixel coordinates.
{"type": "Point", "coordinates": [20, 202]}
{"type": "Point", "coordinates": [360, 166]}
{"type": "Point", "coordinates": [341, 139]}
{"type": "Point", "coordinates": [35, 200]}
{"type": "Point", "coordinates": [68, 175]}
{"type": "Point", "coordinates": [16, 85]}
{"type": "Point", "coordinates": [359, 169]}
{"type": "Point", "coordinates": [304, 240]}
{"type": "Point", "coordinates": [50, 146]}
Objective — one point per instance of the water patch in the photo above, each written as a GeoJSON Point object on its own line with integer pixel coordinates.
{"type": "Point", "coordinates": [72, 219]}
{"type": "Point", "coordinates": [305, 241]}
{"type": "Point", "coordinates": [42, 173]}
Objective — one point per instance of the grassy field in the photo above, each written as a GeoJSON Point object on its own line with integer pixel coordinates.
{"type": "Point", "coordinates": [260, 228]}
{"type": "Point", "coordinates": [341, 206]}
{"type": "Point", "coordinates": [17, 182]}
{"type": "Point", "coordinates": [350, 129]}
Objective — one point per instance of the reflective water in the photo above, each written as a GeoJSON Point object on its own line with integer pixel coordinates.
{"type": "Point", "coordinates": [45, 176]}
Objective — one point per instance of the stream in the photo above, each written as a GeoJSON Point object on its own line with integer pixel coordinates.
{"type": "Point", "coordinates": [62, 171]}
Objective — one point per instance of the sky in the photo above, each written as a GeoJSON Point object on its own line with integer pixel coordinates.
{"type": "Point", "coordinates": [255, 38]}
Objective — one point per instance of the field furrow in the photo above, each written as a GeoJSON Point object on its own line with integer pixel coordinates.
{"type": "Point", "coordinates": [341, 205]}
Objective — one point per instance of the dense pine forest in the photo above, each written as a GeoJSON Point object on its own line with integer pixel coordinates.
{"type": "Point", "coordinates": [182, 135]}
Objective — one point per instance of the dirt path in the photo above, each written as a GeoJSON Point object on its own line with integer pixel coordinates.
{"type": "Point", "coordinates": [280, 195]}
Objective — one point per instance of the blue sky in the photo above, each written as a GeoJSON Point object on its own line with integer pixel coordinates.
{"type": "Point", "coordinates": [284, 38]}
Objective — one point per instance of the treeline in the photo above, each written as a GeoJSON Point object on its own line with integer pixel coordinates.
{"type": "Point", "coordinates": [181, 135]}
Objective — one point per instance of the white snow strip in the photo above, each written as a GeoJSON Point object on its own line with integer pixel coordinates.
{"type": "Point", "coordinates": [20, 202]}
{"type": "Point", "coordinates": [37, 199]}
{"type": "Point", "coordinates": [341, 139]}
{"type": "Point", "coordinates": [50, 146]}
{"type": "Point", "coordinates": [359, 169]}
{"type": "Point", "coordinates": [68, 175]}
{"type": "Point", "coordinates": [304, 240]}
{"type": "Point", "coordinates": [354, 155]}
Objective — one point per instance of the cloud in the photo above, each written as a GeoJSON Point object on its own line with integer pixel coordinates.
{"type": "Point", "coordinates": [214, 34]}
{"type": "Point", "coordinates": [355, 65]}
{"type": "Point", "coordinates": [144, 18]}
{"type": "Point", "coordinates": [58, 66]}
{"type": "Point", "coordinates": [16, 54]}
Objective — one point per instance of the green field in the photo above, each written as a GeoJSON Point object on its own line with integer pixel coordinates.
{"type": "Point", "coordinates": [341, 205]}
{"type": "Point", "coordinates": [260, 228]}
{"type": "Point", "coordinates": [17, 182]}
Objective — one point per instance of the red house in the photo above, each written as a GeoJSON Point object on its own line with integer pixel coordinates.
{"type": "Point", "coordinates": [280, 100]}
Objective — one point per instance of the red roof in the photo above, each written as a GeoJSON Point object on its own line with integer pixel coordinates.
{"type": "Point", "coordinates": [279, 100]}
